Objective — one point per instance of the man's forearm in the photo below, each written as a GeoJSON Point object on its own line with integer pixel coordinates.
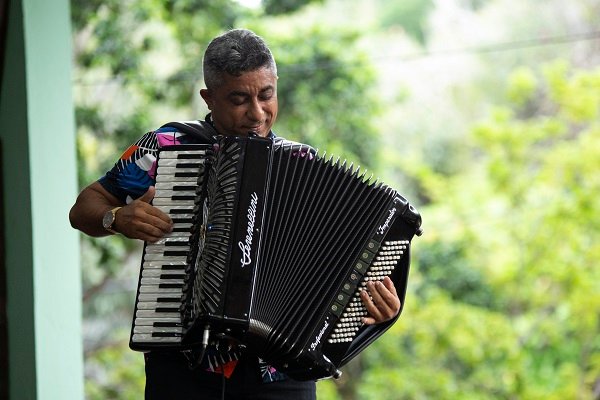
{"type": "Point", "coordinates": [89, 209]}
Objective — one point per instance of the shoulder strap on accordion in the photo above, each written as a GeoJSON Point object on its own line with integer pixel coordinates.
{"type": "Point", "coordinates": [299, 148]}
{"type": "Point", "coordinates": [208, 134]}
{"type": "Point", "coordinates": [201, 129]}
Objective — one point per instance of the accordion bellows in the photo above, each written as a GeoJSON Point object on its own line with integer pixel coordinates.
{"type": "Point", "coordinates": [280, 242]}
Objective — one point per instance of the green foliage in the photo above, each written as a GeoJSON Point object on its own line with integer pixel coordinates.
{"type": "Point", "coordinates": [325, 96]}
{"type": "Point", "coordinates": [326, 390]}
{"type": "Point", "coordinates": [277, 7]}
{"type": "Point", "coordinates": [446, 265]}
{"type": "Point", "coordinates": [122, 374]}
{"type": "Point", "coordinates": [411, 15]}
{"type": "Point", "coordinates": [530, 212]}
{"type": "Point", "coordinates": [521, 86]}
{"type": "Point", "coordinates": [444, 350]}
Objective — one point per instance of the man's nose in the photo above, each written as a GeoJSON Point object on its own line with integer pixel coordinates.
{"type": "Point", "coordinates": [255, 111]}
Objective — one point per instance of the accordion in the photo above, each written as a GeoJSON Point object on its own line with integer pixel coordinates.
{"type": "Point", "coordinates": [272, 244]}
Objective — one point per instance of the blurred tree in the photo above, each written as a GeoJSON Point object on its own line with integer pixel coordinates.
{"type": "Point", "coordinates": [120, 375]}
{"type": "Point", "coordinates": [326, 96]}
{"type": "Point", "coordinates": [512, 312]}
{"type": "Point", "coordinates": [276, 7]}
{"type": "Point", "coordinates": [411, 15]}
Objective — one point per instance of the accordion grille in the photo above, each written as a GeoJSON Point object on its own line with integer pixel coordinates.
{"type": "Point", "coordinates": [317, 204]}
{"type": "Point", "coordinates": [210, 288]}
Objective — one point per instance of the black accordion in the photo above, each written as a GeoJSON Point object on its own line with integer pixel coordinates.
{"type": "Point", "coordinates": [272, 244]}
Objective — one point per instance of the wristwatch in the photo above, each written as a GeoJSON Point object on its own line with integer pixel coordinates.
{"type": "Point", "coordinates": [109, 219]}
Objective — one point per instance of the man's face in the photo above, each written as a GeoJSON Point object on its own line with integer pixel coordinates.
{"type": "Point", "coordinates": [244, 103]}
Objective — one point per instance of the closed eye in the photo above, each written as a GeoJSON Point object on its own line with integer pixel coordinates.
{"type": "Point", "coordinates": [266, 94]}
{"type": "Point", "coordinates": [238, 99]}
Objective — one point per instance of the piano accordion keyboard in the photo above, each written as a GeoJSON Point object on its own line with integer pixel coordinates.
{"type": "Point", "coordinates": [161, 288]}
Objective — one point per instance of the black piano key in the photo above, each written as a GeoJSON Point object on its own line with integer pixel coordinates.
{"type": "Point", "coordinates": [174, 211]}
{"type": "Point", "coordinates": [183, 198]}
{"type": "Point", "coordinates": [187, 188]}
{"type": "Point", "coordinates": [167, 309]}
{"type": "Point", "coordinates": [187, 165]}
{"type": "Point", "coordinates": [181, 220]}
{"type": "Point", "coordinates": [173, 253]}
{"type": "Point", "coordinates": [172, 276]}
{"type": "Point", "coordinates": [168, 267]}
{"type": "Point", "coordinates": [166, 334]}
{"type": "Point", "coordinates": [170, 285]}
{"type": "Point", "coordinates": [185, 174]}
{"type": "Point", "coordinates": [178, 243]}
{"type": "Point", "coordinates": [167, 324]}
{"type": "Point", "coordinates": [190, 156]}
{"type": "Point", "coordinates": [168, 299]}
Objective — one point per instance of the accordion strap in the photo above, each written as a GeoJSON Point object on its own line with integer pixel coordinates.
{"type": "Point", "coordinates": [202, 129]}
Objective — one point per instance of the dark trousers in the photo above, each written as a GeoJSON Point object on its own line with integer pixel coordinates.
{"type": "Point", "coordinates": [168, 377]}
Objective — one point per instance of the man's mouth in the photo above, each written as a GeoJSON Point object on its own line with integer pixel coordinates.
{"type": "Point", "coordinates": [253, 130]}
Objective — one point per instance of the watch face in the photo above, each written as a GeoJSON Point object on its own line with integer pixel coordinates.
{"type": "Point", "coordinates": [108, 219]}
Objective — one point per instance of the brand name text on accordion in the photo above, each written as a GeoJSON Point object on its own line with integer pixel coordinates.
{"type": "Point", "coordinates": [246, 246]}
{"type": "Point", "coordinates": [381, 230]}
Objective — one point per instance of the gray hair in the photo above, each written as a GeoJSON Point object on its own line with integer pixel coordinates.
{"type": "Point", "coordinates": [235, 52]}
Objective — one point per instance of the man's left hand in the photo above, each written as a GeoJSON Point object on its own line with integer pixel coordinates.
{"type": "Point", "coordinates": [383, 303]}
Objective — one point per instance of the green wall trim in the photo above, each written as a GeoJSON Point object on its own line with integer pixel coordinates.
{"type": "Point", "coordinates": [39, 171]}
{"type": "Point", "coordinates": [17, 229]}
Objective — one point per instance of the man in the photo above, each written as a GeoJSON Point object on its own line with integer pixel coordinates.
{"type": "Point", "coordinates": [240, 75]}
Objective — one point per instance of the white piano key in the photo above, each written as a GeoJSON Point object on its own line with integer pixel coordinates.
{"type": "Point", "coordinates": [155, 329]}
{"type": "Point", "coordinates": [140, 321]}
{"type": "Point", "coordinates": [174, 161]}
{"type": "Point", "coordinates": [162, 241]}
{"type": "Point", "coordinates": [160, 257]}
{"type": "Point", "coordinates": [158, 281]}
{"type": "Point", "coordinates": [198, 165]}
{"type": "Point", "coordinates": [155, 314]}
{"type": "Point", "coordinates": [191, 185]}
{"type": "Point", "coordinates": [153, 305]}
{"type": "Point", "coordinates": [175, 243]}
{"type": "Point", "coordinates": [158, 272]}
{"type": "Point", "coordinates": [164, 268]}
{"type": "Point", "coordinates": [156, 289]}
{"type": "Point", "coordinates": [165, 201]}
{"type": "Point", "coordinates": [176, 234]}
{"type": "Point", "coordinates": [181, 255]}
{"type": "Point", "coordinates": [165, 154]}
{"type": "Point", "coordinates": [168, 194]}
{"type": "Point", "coordinates": [179, 208]}
{"type": "Point", "coordinates": [160, 264]}
{"type": "Point", "coordinates": [174, 209]}
{"type": "Point", "coordinates": [183, 218]}
{"type": "Point", "coordinates": [182, 225]}
{"type": "Point", "coordinates": [160, 250]}
{"type": "Point", "coordinates": [173, 178]}
{"type": "Point", "coordinates": [147, 297]}
{"type": "Point", "coordinates": [176, 170]}
{"type": "Point", "coordinates": [148, 338]}
{"type": "Point", "coordinates": [164, 244]}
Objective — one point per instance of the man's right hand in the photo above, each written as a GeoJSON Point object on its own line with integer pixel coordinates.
{"type": "Point", "coordinates": [140, 220]}
{"type": "Point", "coordinates": [136, 220]}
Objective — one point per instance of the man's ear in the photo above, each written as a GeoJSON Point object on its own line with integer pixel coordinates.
{"type": "Point", "coordinates": [205, 93]}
